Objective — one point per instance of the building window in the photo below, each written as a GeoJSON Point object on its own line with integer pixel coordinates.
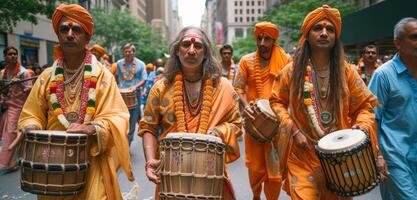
{"type": "Point", "coordinates": [238, 33]}
{"type": "Point", "coordinates": [259, 11]}
{"type": "Point", "coordinates": [253, 19]}
{"type": "Point", "coordinates": [240, 11]}
{"type": "Point", "coordinates": [235, 19]}
{"type": "Point", "coordinates": [247, 11]}
{"type": "Point", "coordinates": [241, 19]}
{"type": "Point", "coordinates": [253, 3]}
{"type": "Point", "coordinates": [247, 19]}
{"type": "Point", "coordinates": [235, 3]}
{"type": "Point", "coordinates": [240, 3]}
{"type": "Point", "coordinates": [235, 11]}
{"type": "Point", "coordinates": [247, 3]}
{"type": "Point", "coordinates": [253, 11]}
{"type": "Point", "coordinates": [259, 3]}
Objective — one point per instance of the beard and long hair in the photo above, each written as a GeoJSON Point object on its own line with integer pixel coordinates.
{"type": "Point", "coordinates": [337, 79]}
{"type": "Point", "coordinates": [210, 65]}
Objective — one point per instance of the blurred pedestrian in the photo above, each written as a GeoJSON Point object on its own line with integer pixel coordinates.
{"type": "Point", "coordinates": [229, 68]}
{"type": "Point", "coordinates": [368, 62]}
{"type": "Point", "coordinates": [13, 95]}
{"type": "Point", "coordinates": [99, 52]}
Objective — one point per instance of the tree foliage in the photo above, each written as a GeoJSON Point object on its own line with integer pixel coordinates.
{"type": "Point", "coordinates": [12, 11]}
{"type": "Point", "coordinates": [114, 30]}
{"type": "Point", "coordinates": [289, 18]}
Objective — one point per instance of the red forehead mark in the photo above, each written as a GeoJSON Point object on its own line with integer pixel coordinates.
{"type": "Point", "coordinates": [325, 24]}
{"type": "Point", "coordinates": [192, 40]}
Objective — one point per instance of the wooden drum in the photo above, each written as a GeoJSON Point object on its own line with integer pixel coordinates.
{"type": "Point", "coordinates": [348, 162]}
{"type": "Point", "coordinates": [54, 162]}
{"type": "Point", "coordinates": [263, 127]}
{"type": "Point", "coordinates": [129, 97]}
{"type": "Point", "coordinates": [192, 166]}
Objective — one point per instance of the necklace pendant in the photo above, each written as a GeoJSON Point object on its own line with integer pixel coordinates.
{"type": "Point", "coordinates": [326, 117]}
{"type": "Point", "coordinates": [72, 117]}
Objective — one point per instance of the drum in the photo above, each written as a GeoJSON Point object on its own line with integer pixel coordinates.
{"type": "Point", "coordinates": [54, 163]}
{"type": "Point", "coordinates": [192, 166]}
{"type": "Point", "coordinates": [129, 97]}
{"type": "Point", "coordinates": [348, 162]}
{"type": "Point", "coordinates": [263, 127]}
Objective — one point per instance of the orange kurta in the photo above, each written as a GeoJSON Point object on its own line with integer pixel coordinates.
{"type": "Point", "coordinates": [224, 115]}
{"type": "Point", "coordinates": [260, 158]}
{"type": "Point", "coordinates": [107, 148]}
{"type": "Point", "coordinates": [305, 178]}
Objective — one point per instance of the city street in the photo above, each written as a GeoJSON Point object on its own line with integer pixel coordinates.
{"type": "Point", "coordinates": [142, 189]}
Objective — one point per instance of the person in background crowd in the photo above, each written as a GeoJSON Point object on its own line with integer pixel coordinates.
{"type": "Point", "coordinates": [131, 74]}
{"type": "Point", "coordinates": [229, 68]}
{"type": "Point", "coordinates": [13, 95]}
{"type": "Point", "coordinates": [368, 62]}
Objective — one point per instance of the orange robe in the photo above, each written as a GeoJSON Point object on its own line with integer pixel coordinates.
{"type": "Point", "coordinates": [305, 179]}
{"type": "Point", "coordinates": [224, 116]}
{"type": "Point", "coordinates": [261, 158]}
{"type": "Point", "coordinates": [108, 149]}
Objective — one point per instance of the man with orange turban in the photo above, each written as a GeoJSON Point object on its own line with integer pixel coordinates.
{"type": "Point", "coordinates": [316, 94]}
{"type": "Point", "coordinates": [256, 72]}
{"type": "Point", "coordinates": [100, 53]}
{"type": "Point", "coordinates": [77, 95]}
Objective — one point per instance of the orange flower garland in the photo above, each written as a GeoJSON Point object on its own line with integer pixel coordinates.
{"type": "Point", "coordinates": [132, 71]}
{"type": "Point", "coordinates": [15, 72]}
{"type": "Point", "coordinates": [179, 107]}
{"type": "Point", "coordinates": [257, 73]}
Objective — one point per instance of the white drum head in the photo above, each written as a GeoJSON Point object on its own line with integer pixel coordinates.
{"type": "Point", "coordinates": [126, 90]}
{"type": "Point", "coordinates": [265, 107]}
{"type": "Point", "coordinates": [54, 132]}
{"type": "Point", "coordinates": [341, 140]}
{"type": "Point", "coordinates": [196, 136]}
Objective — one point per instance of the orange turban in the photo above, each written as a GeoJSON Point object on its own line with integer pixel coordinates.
{"type": "Point", "coordinates": [267, 28]}
{"type": "Point", "coordinates": [99, 49]}
{"type": "Point", "coordinates": [106, 57]}
{"type": "Point", "coordinates": [315, 16]}
{"type": "Point", "coordinates": [75, 13]}
{"type": "Point", "coordinates": [150, 66]}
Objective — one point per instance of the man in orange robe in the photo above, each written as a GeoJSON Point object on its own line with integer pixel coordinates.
{"type": "Point", "coordinates": [256, 73]}
{"type": "Point", "coordinates": [104, 120]}
{"type": "Point", "coordinates": [342, 96]}
{"type": "Point", "coordinates": [194, 98]}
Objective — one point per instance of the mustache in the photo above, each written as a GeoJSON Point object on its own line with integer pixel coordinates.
{"type": "Point", "coordinates": [264, 48]}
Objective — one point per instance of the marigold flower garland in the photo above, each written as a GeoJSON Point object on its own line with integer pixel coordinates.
{"type": "Point", "coordinates": [88, 93]}
{"type": "Point", "coordinates": [132, 70]}
{"type": "Point", "coordinates": [257, 73]}
{"type": "Point", "coordinates": [15, 72]}
{"type": "Point", "coordinates": [231, 72]}
{"type": "Point", "coordinates": [179, 105]}
{"type": "Point", "coordinates": [309, 102]}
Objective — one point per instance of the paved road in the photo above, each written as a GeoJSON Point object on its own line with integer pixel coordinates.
{"type": "Point", "coordinates": [142, 189]}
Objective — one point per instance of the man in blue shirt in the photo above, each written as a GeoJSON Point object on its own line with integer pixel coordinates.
{"type": "Point", "coordinates": [131, 74]}
{"type": "Point", "coordinates": [395, 85]}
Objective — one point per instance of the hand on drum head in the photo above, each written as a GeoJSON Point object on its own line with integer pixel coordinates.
{"type": "Point", "coordinates": [81, 128]}
{"type": "Point", "coordinates": [382, 167]}
{"type": "Point", "coordinates": [19, 136]}
{"type": "Point", "coordinates": [151, 167]}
